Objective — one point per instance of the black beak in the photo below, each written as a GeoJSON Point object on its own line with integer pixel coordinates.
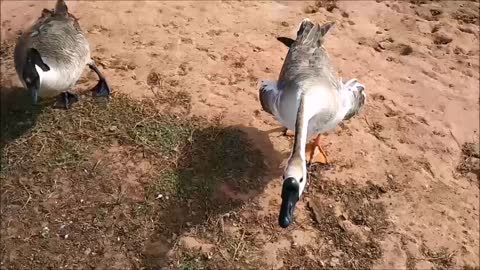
{"type": "Point", "coordinates": [34, 94]}
{"type": "Point", "coordinates": [290, 196]}
{"type": "Point", "coordinates": [33, 86]}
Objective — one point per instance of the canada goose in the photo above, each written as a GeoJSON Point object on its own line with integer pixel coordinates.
{"type": "Point", "coordinates": [50, 57]}
{"type": "Point", "coordinates": [309, 99]}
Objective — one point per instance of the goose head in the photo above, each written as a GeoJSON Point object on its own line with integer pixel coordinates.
{"type": "Point", "coordinates": [294, 180]}
{"type": "Point", "coordinates": [356, 97]}
{"type": "Point", "coordinates": [30, 74]}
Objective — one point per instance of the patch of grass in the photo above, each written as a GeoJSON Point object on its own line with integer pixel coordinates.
{"type": "Point", "coordinates": [298, 259]}
{"type": "Point", "coordinates": [62, 138]}
{"type": "Point", "coordinates": [163, 90]}
{"type": "Point", "coordinates": [411, 261]}
{"type": "Point", "coordinates": [470, 161]}
{"type": "Point", "coordinates": [191, 261]}
{"type": "Point", "coordinates": [442, 259]}
{"type": "Point", "coordinates": [220, 154]}
{"type": "Point", "coordinates": [164, 185]}
{"type": "Point", "coordinates": [142, 210]}
{"type": "Point", "coordinates": [471, 150]}
{"type": "Point", "coordinates": [83, 167]}
{"type": "Point", "coordinates": [101, 214]}
{"type": "Point", "coordinates": [163, 136]}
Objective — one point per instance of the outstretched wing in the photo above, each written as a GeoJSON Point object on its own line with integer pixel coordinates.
{"type": "Point", "coordinates": [268, 94]}
{"type": "Point", "coordinates": [359, 97]}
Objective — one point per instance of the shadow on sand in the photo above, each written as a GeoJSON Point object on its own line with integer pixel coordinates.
{"type": "Point", "coordinates": [223, 170]}
{"type": "Point", "coordinates": [17, 115]}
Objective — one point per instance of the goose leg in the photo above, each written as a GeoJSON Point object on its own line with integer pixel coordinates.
{"type": "Point", "coordinates": [65, 100]}
{"type": "Point", "coordinates": [101, 89]}
{"type": "Point", "coordinates": [314, 152]}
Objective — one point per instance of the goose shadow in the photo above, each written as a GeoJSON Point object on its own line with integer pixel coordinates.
{"type": "Point", "coordinates": [221, 171]}
{"type": "Point", "coordinates": [17, 115]}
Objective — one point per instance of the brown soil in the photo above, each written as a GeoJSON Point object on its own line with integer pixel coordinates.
{"type": "Point", "coordinates": [193, 182]}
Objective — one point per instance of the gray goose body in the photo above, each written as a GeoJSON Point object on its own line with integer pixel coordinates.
{"type": "Point", "coordinates": [309, 99]}
{"type": "Point", "coordinates": [56, 49]}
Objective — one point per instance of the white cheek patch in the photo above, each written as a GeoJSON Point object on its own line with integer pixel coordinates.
{"type": "Point", "coordinates": [51, 81]}
{"type": "Point", "coordinates": [40, 73]}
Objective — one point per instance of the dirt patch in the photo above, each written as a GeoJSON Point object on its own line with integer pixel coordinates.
{"type": "Point", "coordinates": [352, 221]}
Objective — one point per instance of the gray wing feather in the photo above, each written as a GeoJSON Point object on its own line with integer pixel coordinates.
{"type": "Point", "coordinates": [267, 95]}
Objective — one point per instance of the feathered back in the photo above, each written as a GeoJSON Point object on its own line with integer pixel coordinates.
{"type": "Point", "coordinates": [306, 58]}
{"type": "Point", "coordinates": [312, 34]}
{"type": "Point", "coordinates": [306, 27]}
{"type": "Point", "coordinates": [57, 36]}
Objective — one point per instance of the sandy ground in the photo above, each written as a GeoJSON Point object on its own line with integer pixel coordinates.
{"type": "Point", "coordinates": [419, 62]}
